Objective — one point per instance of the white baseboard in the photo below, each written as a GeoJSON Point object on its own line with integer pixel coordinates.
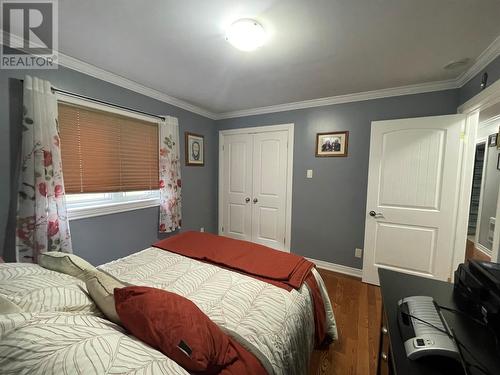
{"type": "Point", "coordinates": [351, 271]}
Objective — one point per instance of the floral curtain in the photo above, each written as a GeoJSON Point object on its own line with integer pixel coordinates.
{"type": "Point", "coordinates": [170, 175]}
{"type": "Point", "coordinates": [42, 223]}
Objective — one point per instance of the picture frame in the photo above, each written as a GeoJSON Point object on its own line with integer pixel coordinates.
{"type": "Point", "coordinates": [498, 138]}
{"type": "Point", "coordinates": [194, 149]}
{"type": "Point", "coordinates": [332, 144]}
{"type": "Point", "coordinates": [492, 140]}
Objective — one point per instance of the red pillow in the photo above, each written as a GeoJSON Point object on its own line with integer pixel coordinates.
{"type": "Point", "coordinates": [175, 326]}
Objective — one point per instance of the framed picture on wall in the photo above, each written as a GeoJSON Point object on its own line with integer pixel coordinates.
{"type": "Point", "coordinates": [492, 140]}
{"type": "Point", "coordinates": [194, 149]}
{"type": "Point", "coordinates": [332, 144]}
{"type": "Point", "coordinates": [498, 138]}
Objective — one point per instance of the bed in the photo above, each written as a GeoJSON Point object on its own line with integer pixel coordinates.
{"type": "Point", "coordinates": [61, 330]}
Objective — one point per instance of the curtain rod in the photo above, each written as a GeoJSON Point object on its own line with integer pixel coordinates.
{"type": "Point", "coordinates": [55, 89]}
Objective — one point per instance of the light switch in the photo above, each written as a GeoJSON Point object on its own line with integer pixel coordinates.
{"type": "Point", "coordinates": [309, 173]}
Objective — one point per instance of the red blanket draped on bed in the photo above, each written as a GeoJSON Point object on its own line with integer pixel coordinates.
{"type": "Point", "coordinates": [284, 270]}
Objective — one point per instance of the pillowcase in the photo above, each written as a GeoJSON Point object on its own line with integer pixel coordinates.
{"type": "Point", "coordinates": [69, 264]}
{"type": "Point", "coordinates": [100, 287]}
{"type": "Point", "coordinates": [7, 307]}
{"type": "Point", "coordinates": [175, 326]}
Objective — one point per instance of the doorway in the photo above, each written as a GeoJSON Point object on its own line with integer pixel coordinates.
{"type": "Point", "coordinates": [381, 250]}
{"type": "Point", "coordinates": [472, 250]}
{"type": "Point", "coordinates": [485, 190]}
{"type": "Point", "coordinates": [413, 188]}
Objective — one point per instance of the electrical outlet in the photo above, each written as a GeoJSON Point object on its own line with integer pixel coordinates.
{"type": "Point", "coordinates": [358, 253]}
{"type": "Point", "coordinates": [202, 229]}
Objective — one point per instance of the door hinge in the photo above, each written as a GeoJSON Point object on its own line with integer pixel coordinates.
{"type": "Point", "coordinates": [222, 147]}
{"type": "Point", "coordinates": [222, 229]}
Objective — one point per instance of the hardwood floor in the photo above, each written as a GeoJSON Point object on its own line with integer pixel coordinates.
{"type": "Point", "coordinates": [357, 307]}
{"type": "Point", "coordinates": [472, 253]}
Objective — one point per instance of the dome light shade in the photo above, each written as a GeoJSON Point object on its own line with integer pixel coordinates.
{"type": "Point", "coordinates": [246, 34]}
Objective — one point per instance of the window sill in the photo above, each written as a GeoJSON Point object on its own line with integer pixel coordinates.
{"type": "Point", "coordinates": [111, 208]}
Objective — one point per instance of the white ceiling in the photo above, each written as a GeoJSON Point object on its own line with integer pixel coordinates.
{"type": "Point", "coordinates": [316, 48]}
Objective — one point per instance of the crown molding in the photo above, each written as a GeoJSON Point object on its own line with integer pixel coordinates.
{"type": "Point", "coordinates": [490, 121]}
{"type": "Point", "coordinates": [104, 75]}
{"type": "Point", "coordinates": [347, 98]}
{"type": "Point", "coordinates": [115, 79]}
{"type": "Point", "coordinates": [485, 58]}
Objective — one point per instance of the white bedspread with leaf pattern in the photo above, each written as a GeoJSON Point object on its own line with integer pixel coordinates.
{"type": "Point", "coordinates": [276, 325]}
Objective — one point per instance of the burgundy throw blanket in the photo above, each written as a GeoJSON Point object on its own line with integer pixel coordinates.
{"type": "Point", "coordinates": [284, 270]}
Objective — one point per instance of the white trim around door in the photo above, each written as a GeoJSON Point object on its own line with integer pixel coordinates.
{"type": "Point", "coordinates": [485, 99]}
{"type": "Point", "coordinates": [252, 130]}
{"type": "Point", "coordinates": [467, 155]}
{"type": "Point", "coordinates": [478, 246]}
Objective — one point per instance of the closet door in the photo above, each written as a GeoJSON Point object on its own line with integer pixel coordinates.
{"type": "Point", "coordinates": [269, 188]}
{"type": "Point", "coordinates": [237, 186]}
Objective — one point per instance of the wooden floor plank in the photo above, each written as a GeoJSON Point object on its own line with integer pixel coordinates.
{"type": "Point", "coordinates": [357, 308]}
{"type": "Point", "coordinates": [471, 252]}
{"type": "Point", "coordinates": [363, 351]}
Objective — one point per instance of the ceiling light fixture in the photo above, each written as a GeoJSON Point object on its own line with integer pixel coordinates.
{"type": "Point", "coordinates": [246, 34]}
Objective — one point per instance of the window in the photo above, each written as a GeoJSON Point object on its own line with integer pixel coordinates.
{"type": "Point", "coordinates": [110, 159]}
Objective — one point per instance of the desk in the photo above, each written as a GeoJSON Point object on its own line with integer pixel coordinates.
{"type": "Point", "coordinates": [392, 355]}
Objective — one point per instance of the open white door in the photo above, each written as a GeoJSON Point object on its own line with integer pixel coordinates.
{"type": "Point", "coordinates": [412, 198]}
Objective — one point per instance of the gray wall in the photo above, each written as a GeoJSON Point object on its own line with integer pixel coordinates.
{"type": "Point", "coordinates": [104, 238]}
{"type": "Point", "coordinates": [328, 213]}
{"type": "Point", "coordinates": [473, 87]}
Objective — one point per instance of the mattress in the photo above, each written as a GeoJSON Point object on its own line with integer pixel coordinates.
{"type": "Point", "coordinates": [277, 326]}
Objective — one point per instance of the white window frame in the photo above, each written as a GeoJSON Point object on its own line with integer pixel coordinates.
{"type": "Point", "coordinates": [112, 202]}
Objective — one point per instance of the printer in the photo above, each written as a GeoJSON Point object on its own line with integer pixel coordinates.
{"type": "Point", "coordinates": [477, 291]}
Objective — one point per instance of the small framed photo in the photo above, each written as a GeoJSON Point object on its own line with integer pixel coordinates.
{"type": "Point", "coordinates": [498, 138]}
{"type": "Point", "coordinates": [332, 144]}
{"type": "Point", "coordinates": [195, 149]}
{"type": "Point", "coordinates": [492, 140]}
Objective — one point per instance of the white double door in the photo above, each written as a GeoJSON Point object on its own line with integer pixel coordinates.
{"type": "Point", "coordinates": [253, 191]}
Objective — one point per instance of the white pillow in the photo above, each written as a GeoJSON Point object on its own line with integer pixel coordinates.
{"type": "Point", "coordinates": [69, 264]}
{"type": "Point", "coordinates": [101, 288]}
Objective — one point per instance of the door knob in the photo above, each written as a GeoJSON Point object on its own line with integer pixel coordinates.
{"type": "Point", "coordinates": [372, 213]}
{"type": "Point", "coordinates": [255, 200]}
{"type": "Point", "coordinates": [247, 199]}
